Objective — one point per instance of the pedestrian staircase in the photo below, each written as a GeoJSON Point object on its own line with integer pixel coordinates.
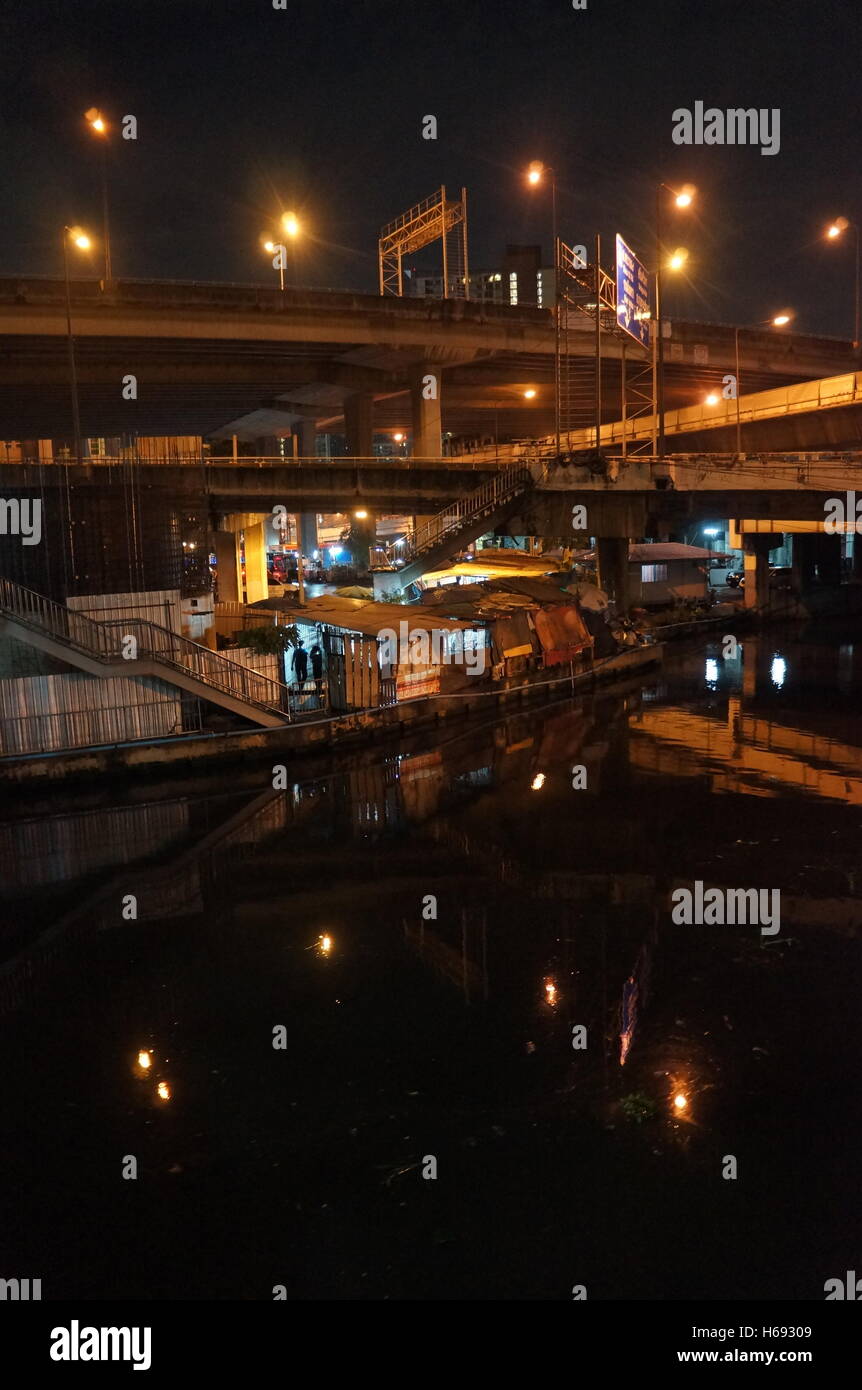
{"type": "Point", "coordinates": [471, 516]}
{"type": "Point", "coordinates": [103, 649]}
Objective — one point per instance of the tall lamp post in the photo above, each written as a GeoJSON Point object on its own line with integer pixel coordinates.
{"type": "Point", "coordinates": [79, 238]}
{"type": "Point", "coordinates": [683, 198]}
{"type": "Point", "coordinates": [529, 395]}
{"type": "Point", "coordinates": [833, 232]}
{"type": "Point", "coordinates": [537, 174]}
{"type": "Point", "coordinates": [99, 126]}
{"type": "Point", "coordinates": [778, 321]}
{"type": "Point", "coordinates": [290, 227]}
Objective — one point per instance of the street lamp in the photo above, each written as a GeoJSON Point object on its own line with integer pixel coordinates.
{"type": "Point", "coordinates": [682, 199]}
{"type": "Point", "coordinates": [99, 126]}
{"type": "Point", "coordinates": [833, 233]}
{"type": "Point", "coordinates": [777, 321]}
{"type": "Point", "coordinates": [536, 175]}
{"type": "Point", "coordinates": [529, 395]}
{"type": "Point", "coordinates": [78, 237]}
{"type": "Point", "coordinates": [278, 250]}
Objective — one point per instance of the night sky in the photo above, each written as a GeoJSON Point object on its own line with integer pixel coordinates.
{"type": "Point", "coordinates": [245, 111]}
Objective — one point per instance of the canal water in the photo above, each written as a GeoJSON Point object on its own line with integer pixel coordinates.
{"type": "Point", "coordinates": [422, 1026]}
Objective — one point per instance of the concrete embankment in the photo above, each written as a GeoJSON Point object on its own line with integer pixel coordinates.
{"type": "Point", "coordinates": [302, 738]}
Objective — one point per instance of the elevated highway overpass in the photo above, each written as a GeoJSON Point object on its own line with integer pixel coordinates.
{"type": "Point", "coordinates": [207, 357]}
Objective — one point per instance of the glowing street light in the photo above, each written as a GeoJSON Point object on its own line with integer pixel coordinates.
{"type": "Point", "coordinates": [361, 514]}
{"type": "Point", "coordinates": [530, 393]}
{"type": "Point", "coordinates": [99, 126]}
{"type": "Point", "coordinates": [78, 237]}
{"type": "Point", "coordinates": [711, 399]}
{"type": "Point", "coordinates": [834, 232]}
{"type": "Point", "coordinates": [778, 321]}
{"type": "Point", "coordinates": [683, 199]}
{"type": "Point", "coordinates": [781, 319]}
{"type": "Point", "coordinates": [290, 224]}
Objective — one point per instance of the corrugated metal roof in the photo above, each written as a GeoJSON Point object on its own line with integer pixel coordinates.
{"type": "Point", "coordinates": [671, 550]}
{"type": "Point", "coordinates": [365, 616]}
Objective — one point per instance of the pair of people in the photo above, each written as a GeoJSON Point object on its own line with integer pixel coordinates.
{"type": "Point", "coordinates": [299, 665]}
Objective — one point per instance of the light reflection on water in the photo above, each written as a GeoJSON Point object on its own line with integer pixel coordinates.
{"type": "Point", "coordinates": [430, 933]}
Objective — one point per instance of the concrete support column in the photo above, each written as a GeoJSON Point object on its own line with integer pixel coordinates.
{"type": "Point", "coordinates": [426, 406]}
{"type": "Point", "coordinates": [307, 532]}
{"type": "Point", "coordinates": [803, 557]}
{"type": "Point", "coordinates": [305, 439]}
{"type": "Point", "coordinates": [363, 535]}
{"type": "Point", "coordinates": [612, 554]}
{"type": "Point", "coordinates": [228, 567]}
{"type": "Point", "coordinates": [829, 559]}
{"type": "Point", "coordinates": [359, 424]}
{"type": "Point", "coordinates": [755, 557]}
{"type": "Point", "coordinates": [256, 583]}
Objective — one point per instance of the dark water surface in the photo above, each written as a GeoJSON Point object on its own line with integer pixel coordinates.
{"type": "Point", "coordinates": [408, 1037]}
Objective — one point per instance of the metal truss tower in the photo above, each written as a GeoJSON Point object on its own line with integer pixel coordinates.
{"type": "Point", "coordinates": [436, 218]}
{"type": "Point", "coordinates": [586, 304]}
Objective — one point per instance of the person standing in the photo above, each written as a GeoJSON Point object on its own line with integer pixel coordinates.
{"type": "Point", "coordinates": [299, 663]}
{"type": "Point", "coordinates": [317, 671]}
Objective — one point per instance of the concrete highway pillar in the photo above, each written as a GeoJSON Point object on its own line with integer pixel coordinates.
{"type": "Point", "coordinates": [359, 424]}
{"type": "Point", "coordinates": [829, 559]}
{"type": "Point", "coordinates": [228, 567]}
{"type": "Point", "coordinates": [307, 531]}
{"type": "Point", "coordinates": [426, 406]}
{"type": "Point", "coordinates": [305, 439]}
{"type": "Point", "coordinates": [256, 583]}
{"type": "Point", "coordinates": [612, 554]}
{"type": "Point", "coordinates": [803, 561]}
{"type": "Point", "coordinates": [755, 558]}
{"type": "Point", "coordinates": [363, 532]}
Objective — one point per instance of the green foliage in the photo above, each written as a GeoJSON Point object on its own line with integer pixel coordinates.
{"type": "Point", "coordinates": [637, 1107]}
{"type": "Point", "coordinates": [270, 640]}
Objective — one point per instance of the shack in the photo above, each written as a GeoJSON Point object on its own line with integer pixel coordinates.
{"type": "Point", "coordinates": [664, 572]}
{"type": "Point", "coordinates": [532, 624]}
{"type": "Point", "coordinates": [384, 653]}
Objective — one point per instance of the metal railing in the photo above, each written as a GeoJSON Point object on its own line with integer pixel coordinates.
{"type": "Point", "coordinates": [209, 667]}
{"type": "Point", "coordinates": [483, 501]}
{"type": "Point", "coordinates": [57, 730]}
{"type": "Point", "coordinates": [104, 642]}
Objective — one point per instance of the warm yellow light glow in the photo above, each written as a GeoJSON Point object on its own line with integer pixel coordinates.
{"type": "Point", "coordinates": [361, 514]}
{"type": "Point", "coordinates": [781, 319]}
{"type": "Point", "coordinates": [96, 120]}
{"type": "Point", "coordinates": [398, 437]}
{"type": "Point", "coordinates": [535, 171]}
{"type": "Point", "coordinates": [270, 247]}
{"type": "Point", "coordinates": [530, 393]}
{"type": "Point", "coordinates": [538, 782]}
{"type": "Point", "coordinates": [678, 259]}
{"type": "Point", "coordinates": [834, 231]}
{"type": "Point", "coordinates": [550, 992]}
{"type": "Point", "coordinates": [326, 944]}
{"type": "Point", "coordinates": [145, 1060]}
{"type": "Point", "coordinates": [680, 1101]}
{"type": "Point", "coordinates": [290, 224]}
{"type": "Point", "coordinates": [837, 227]}
{"type": "Point", "coordinates": [711, 399]}
{"type": "Point", "coordinates": [163, 1090]}
{"type": "Point", "coordinates": [685, 196]}
{"type": "Point", "coordinates": [79, 238]}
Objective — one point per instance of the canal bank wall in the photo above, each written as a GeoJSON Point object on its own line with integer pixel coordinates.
{"type": "Point", "coordinates": [347, 731]}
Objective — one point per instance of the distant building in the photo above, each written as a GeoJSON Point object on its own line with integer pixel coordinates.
{"type": "Point", "coordinates": [521, 279]}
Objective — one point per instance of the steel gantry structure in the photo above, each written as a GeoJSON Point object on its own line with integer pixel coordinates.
{"type": "Point", "coordinates": [434, 219]}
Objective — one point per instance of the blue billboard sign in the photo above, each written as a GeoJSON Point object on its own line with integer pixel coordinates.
{"type": "Point", "coordinates": [633, 294]}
